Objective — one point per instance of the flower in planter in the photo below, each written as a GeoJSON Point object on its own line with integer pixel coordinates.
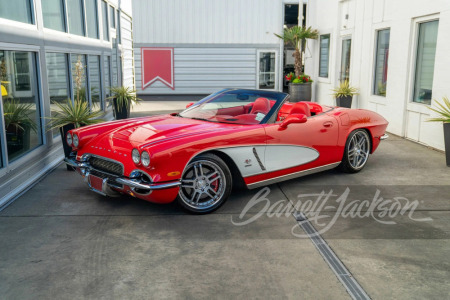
{"type": "Point", "coordinates": [299, 79]}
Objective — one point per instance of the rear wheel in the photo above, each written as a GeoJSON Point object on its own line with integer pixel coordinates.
{"type": "Point", "coordinates": [205, 184]}
{"type": "Point", "coordinates": [357, 149]}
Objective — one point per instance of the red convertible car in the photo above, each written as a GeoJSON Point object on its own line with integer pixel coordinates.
{"type": "Point", "coordinates": [233, 136]}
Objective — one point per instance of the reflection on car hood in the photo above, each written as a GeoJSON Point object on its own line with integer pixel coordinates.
{"type": "Point", "coordinates": [151, 130]}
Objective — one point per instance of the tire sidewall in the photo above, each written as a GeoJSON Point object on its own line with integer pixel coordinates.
{"type": "Point", "coordinates": [228, 184]}
{"type": "Point", "coordinates": [345, 164]}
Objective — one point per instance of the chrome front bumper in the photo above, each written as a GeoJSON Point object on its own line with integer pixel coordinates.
{"type": "Point", "coordinates": [132, 183]}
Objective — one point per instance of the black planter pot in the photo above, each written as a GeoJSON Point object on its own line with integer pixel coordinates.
{"type": "Point", "coordinates": [300, 92]}
{"type": "Point", "coordinates": [121, 112]}
{"type": "Point", "coordinates": [67, 149]}
{"type": "Point", "coordinates": [447, 142]}
{"type": "Point", "coordinates": [345, 101]}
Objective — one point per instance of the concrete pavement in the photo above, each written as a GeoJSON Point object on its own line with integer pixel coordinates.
{"type": "Point", "coordinates": [60, 240]}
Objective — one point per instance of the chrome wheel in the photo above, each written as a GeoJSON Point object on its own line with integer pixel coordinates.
{"type": "Point", "coordinates": [358, 149]}
{"type": "Point", "coordinates": [203, 185]}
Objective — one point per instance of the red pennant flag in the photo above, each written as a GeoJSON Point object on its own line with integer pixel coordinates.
{"type": "Point", "coordinates": [157, 64]}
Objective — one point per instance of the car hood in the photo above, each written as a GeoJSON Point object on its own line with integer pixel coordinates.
{"type": "Point", "coordinates": [143, 131]}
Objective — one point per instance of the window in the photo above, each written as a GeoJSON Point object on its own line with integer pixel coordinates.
{"type": "Point", "coordinates": [53, 13]}
{"type": "Point", "coordinates": [426, 51]}
{"type": "Point", "coordinates": [345, 60]}
{"type": "Point", "coordinates": [105, 21]}
{"type": "Point", "coordinates": [20, 102]}
{"type": "Point", "coordinates": [58, 80]}
{"type": "Point", "coordinates": [94, 81]}
{"type": "Point", "coordinates": [112, 17]}
{"type": "Point", "coordinates": [107, 72]}
{"type": "Point", "coordinates": [381, 62]}
{"type": "Point", "coordinates": [78, 63]}
{"type": "Point", "coordinates": [324, 55]}
{"type": "Point", "coordinates": [75, 15]}
{"type": "Point", "coordinates": [16, 10]}
{"type": "Point", "coordinates": [266, 74]}
{"type": "Point", "coordinates": [92, 18]}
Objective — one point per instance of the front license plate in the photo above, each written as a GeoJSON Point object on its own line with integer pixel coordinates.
{"type": "Point", "coordinates": [96, 183]}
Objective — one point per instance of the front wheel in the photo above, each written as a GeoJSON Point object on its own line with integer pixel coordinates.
{"type": "Point", "coordinates": [356, 154]}
{"type": "Point", "coordinates": [205, 184]}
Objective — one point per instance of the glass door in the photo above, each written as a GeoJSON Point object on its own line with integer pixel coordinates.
{"type": "Point", "coordinates": [345, 59]}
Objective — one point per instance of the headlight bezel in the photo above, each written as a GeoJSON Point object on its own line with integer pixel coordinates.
{"type": "Point", "coordinates": [145, 161]}
{"type": "Point", "coordinates": [69, 140]}
{"type": "Point", "coordinates": [76, 138]}
{"type": "Point", "coordinates": [133, 152]}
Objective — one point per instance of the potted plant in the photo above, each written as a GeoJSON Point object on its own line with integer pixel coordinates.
{"type": "Point", "coordinates": [443, 109]}
{"type": "Point", "coordinates": [71, 115]}
{"type": "Point", "coordinates": [296, 37]}
{"type": "Point", "coordinates": [123, 98]}
{"type": "Point", "coordinates": [18, 124]}
{"type": "Point", "coordinates": [299, 87]}
{"type": "Point", "coordinates": [344, 94]}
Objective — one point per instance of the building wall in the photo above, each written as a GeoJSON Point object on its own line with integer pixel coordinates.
{"type": "Point", "coordinates": [216, 43]}
{"type": "Point", "coordinates": [361, 20]}
{"type": "Point", "coordinates": [30, 50]}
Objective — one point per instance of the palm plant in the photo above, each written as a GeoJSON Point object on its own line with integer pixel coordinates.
{"type": "Point", "coordinates": [18, 115]}
{"type": "Point", "coordinates": [443, 109]}
{"type": "Point", "coordinates": [124, 96]}
{"type": "Point", "coordinates": [296, 37]}
{"type": "Point", "coordinates": [76, 113]}
{"type": "Point", "coordinates": [344, 90]}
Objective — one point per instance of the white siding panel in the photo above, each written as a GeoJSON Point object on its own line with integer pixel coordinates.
{"type": "Point", "coordinates": [207, 21]}
{"type": "Point", "coordinates": [205, 70]}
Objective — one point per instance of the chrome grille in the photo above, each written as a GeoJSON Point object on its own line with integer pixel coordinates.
{"type": "Point", "coordinates": [107, 166]}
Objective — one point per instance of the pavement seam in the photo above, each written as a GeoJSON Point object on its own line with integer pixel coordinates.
{"type": "Point", "coordinates": [352, 286]}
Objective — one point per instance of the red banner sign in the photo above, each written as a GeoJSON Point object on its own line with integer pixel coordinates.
{"type": "Point", "coordinates": [157, 64]}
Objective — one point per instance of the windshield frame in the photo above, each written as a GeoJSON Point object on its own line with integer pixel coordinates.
{"type": "Point", "coordinates": [263, 93]}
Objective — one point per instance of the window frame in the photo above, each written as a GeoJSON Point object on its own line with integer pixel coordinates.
{"type": "Point", "coordinates": [6, 165]}
{"type": "Point", "coordinates": [32, 15]}
{"type": "Point", "coordinates": [65, 18]}
{"type": "Point", "coordinates": [414, 57]}
{"type": "Point", "coordinates": [108, 39]}
{"type": "Point", "coordinates": [276, 70]}
{"type": "Point", "coordinates": [86, 21]}
{"type": "Point", "coordinates": [329, 50]}
{"type": "Point", "coordinates": [375, 60]}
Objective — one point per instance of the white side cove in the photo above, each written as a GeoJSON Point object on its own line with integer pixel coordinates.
{"type": "Point", "coordinates": [254, 160]}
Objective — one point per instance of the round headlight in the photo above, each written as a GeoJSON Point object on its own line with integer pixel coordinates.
{"type": "Point", "coordinates": [135, 156]}
{"type": "Point", "coordinates": [145, 158]}
{"type": "Point", "coordinates": [69, 139]}
{"type": "Point", "coordinates": [75, 140]}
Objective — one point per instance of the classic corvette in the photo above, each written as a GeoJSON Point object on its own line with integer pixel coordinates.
{"type": "Point", "coordinates": [235, 136]}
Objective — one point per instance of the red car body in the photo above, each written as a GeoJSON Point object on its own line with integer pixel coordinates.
{"type": "Point", "coordinates": [261, 153]}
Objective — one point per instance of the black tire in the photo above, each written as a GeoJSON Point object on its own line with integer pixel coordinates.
{"type": "Point", "coordinates": [357, 151]}
{"type": "Point", "coordinates": [206, 184]}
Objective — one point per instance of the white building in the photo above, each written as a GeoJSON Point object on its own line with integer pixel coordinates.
{"type": "Point", "coordinates": [40, 41]}
{"type": "Point", "coordinates": [395, 52]}
{"type": "Point", "coordinates": [202, 46]}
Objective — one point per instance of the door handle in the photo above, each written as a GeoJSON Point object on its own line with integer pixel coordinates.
{"type": "Point", "coordinates": [328, 124]}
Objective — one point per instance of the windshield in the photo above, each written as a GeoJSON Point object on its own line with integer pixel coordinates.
{"type": "Point", "coordinates": [236, 107]}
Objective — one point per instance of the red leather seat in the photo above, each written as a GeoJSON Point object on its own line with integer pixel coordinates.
{"type": "Point", "coordinates": [261, 105]}
{"type": "Point", "coordinates": [301, 108]}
